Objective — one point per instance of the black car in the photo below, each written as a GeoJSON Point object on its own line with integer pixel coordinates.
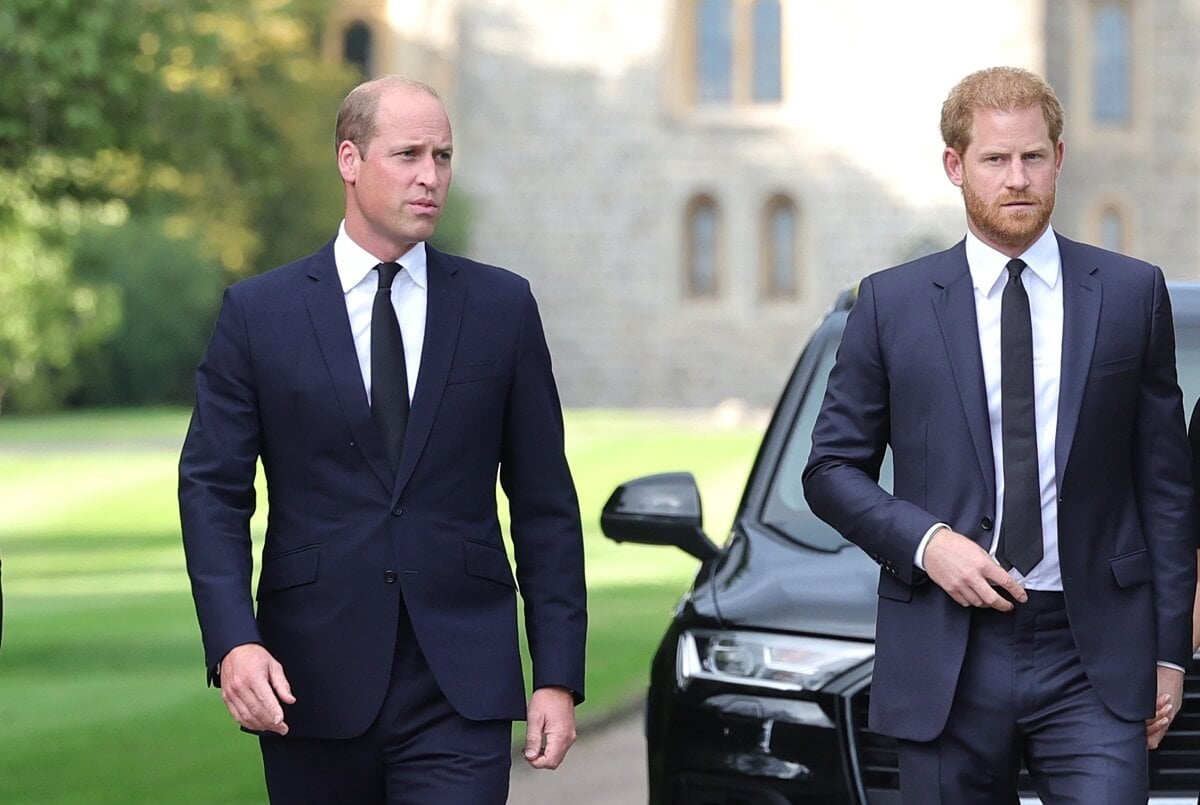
{"type": "Point", "coordinates": [759, 690]}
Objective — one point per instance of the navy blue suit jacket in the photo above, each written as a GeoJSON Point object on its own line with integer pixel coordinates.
{"type": "Point", "coordinates": [909, 375]}
{"type": "Point", "coordinates": [346, 535]}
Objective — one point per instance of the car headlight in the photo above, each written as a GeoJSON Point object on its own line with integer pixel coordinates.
{"type": "Point", "coordinates": [781, 662]}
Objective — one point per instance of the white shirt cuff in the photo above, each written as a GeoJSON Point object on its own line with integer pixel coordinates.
{"type": "Point", "coordinates": [919, 558]}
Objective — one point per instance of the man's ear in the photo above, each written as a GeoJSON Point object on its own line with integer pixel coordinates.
{"type": "Point", "coordinates": [953, 165]}
{"type": "Point", "coordinates": [348, 158]}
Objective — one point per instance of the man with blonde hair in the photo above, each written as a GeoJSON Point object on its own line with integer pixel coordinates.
{"type": "Point", "coordinates": [1036, 551]}
{"type": "Point", "coordinates": [384, 384]}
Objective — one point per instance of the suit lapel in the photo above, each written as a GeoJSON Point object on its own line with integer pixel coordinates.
{"type": "Point", "coordinates": [954, 306]}
{"type": "Point", "coordinates": [444, 308]}
{"type": "Point", "coordinates": [1082, 294]}
{"type": "Point", "coordinates": [327, 309]}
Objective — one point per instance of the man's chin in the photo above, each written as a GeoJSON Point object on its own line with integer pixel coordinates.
{"type": "Point", "coordinates": [418, 231]}
{"type": "Point", "coordinates": [1015, 230]}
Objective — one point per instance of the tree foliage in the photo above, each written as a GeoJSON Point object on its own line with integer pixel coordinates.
{"type": "Point", "coordinates": [168, 297]}
{"type": "Point", "coordinates": [44, 317]}
{"type": "Point", "coordinates": [205, 125]}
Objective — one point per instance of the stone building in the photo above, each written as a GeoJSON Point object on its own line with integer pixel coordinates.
{"type": "Point", "coordinates": [688, 183]}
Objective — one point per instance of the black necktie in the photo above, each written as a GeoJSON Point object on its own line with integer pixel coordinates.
{"type": "Point", "coordinates": [389, 376]}
{"type": "Point", "coordinates": [1020, 543]}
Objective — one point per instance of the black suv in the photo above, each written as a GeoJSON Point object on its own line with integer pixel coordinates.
{"type": "Point", "coordinates": [758, 692]}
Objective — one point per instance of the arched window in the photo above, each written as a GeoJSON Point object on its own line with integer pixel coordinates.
{"type": "Point", "coordinates": [702, 248]}
{"type": "Point", "coordinates": [780, 277]}
{"type": "Point", "coordinates": [768, 52]}
{"type": "Point", "coordinates": [1112, 229]}
{"type": "Point", "coordinates": [1112, 65]}
{"type": "Point", "coordinates": [356, 46]}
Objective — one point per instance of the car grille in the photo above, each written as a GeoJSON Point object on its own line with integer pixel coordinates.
{"type": "Point", "coordinates": [878, 760]}
{"type": "Point", "coordinates": [1174, 766]}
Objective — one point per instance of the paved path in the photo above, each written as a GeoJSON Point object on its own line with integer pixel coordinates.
{"type": "Point", "coordinates": [606, 766]}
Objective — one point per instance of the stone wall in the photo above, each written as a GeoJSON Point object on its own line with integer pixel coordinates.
{"type": "Point", "coordinates": [579, 156]}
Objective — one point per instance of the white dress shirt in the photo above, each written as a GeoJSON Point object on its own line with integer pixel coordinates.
{"type": "Point", "coordinates": [355, 267]}
{"type": "Point", "coordinates": [1042, 281]}
{"type": "Point", "coordinates": [1043, 284]}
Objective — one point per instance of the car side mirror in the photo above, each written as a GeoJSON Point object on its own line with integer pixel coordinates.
{"type": "Point", "coordinates": [658, 510]}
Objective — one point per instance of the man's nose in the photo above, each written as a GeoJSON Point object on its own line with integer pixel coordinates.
{"type": "Point", "coordinates": [1018, 176]}
{"type": "Point", "coordinates": [427, 173]}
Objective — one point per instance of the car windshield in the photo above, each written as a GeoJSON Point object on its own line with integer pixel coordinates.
{"type": "Point", "coordinates": [786, 511]}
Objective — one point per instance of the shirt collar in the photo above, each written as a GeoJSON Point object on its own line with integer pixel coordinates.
{"type": "Point", "coordinates": [354, 262]}
{"type": "Point", "coordinates": [987, 265]}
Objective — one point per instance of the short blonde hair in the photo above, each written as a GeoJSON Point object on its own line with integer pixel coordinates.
{"type": "Point", "coordinates": [1000, 88]}
{"type": "Point", "coordinates": [356, 117]}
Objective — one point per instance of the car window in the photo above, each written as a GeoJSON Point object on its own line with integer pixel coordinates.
{"type": "Point", "coordinates": [785, 510]}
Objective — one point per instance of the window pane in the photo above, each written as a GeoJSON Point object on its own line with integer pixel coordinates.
{"type": "Point", "coordinates": [714, 51]}
{"type": "Point", "coordinates": [781, 277]}
{"type": "Point", "coordinates": [702, 249]}
{"type": "Point", "coordinates": [768, 66]}
{"type": "Point", "coordinates": [1111, 64]}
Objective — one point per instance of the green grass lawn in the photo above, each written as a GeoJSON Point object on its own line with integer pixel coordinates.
{"type": "Point", "coordinates": [102, 696]}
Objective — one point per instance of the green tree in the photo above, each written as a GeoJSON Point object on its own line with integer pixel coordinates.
{"type": "Point", "coordinates": [168, 296]}
{"type": "Point", "coordinates": [45, 317]}
{"type": "Point", "coordinates": [203, 125]}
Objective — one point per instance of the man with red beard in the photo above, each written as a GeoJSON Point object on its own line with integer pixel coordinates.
{"type": "Point", "coordinates": [1036, 551]}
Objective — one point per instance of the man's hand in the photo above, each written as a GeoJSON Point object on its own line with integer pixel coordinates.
{"type": "Point", "coordinates": [551, 727]}
{"type": "Point", "coordinates": [253, 685]}
{"type": "Point", "coordinates": [968, 573]}
{"type": "Point", "coordinates": [1170, 699]}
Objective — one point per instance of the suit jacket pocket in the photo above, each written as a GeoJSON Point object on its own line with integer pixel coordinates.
{"type": "Point", "coordinates": [469, 373]}
{"type": "Point", "coordinates": [291, 569]}
{"type": "Point", "coordinates": [1115, 366]}
{"type": "Point", "coordinates": [893, 589]}
{"type": "Point", "coordinates": [489, 562]}
{"type": "Point", "coordinates": [1131, 569]}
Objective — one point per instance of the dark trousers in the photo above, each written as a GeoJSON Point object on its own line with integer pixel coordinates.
{"type": "Point", "coordinates": [419, 751]}
{"type": "Point", "coordinates": [1022, 695]}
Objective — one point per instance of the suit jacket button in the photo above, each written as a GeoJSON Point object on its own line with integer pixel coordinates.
{"type": "Point", "coordinates": [389, 576]}
{"type": "Point", "coordinates": [986, 523]}
{"type": "Point", "coordinates": [397, 511]}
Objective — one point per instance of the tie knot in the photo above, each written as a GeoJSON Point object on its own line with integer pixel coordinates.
{"type": "Point", "coordinates": [1015, 267]}
{"type": "Point", "coordinates": [388, 272]}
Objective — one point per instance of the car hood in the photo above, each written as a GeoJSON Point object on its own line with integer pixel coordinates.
{"type": "Point", "coordinates": [765, 581]}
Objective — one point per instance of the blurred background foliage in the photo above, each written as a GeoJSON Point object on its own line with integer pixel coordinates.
{"type": "Point", "coordinates": [151, 152]}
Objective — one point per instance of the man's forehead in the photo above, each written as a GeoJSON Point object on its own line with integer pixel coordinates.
{"type": "Point", "coordinates": [1027, 123]}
